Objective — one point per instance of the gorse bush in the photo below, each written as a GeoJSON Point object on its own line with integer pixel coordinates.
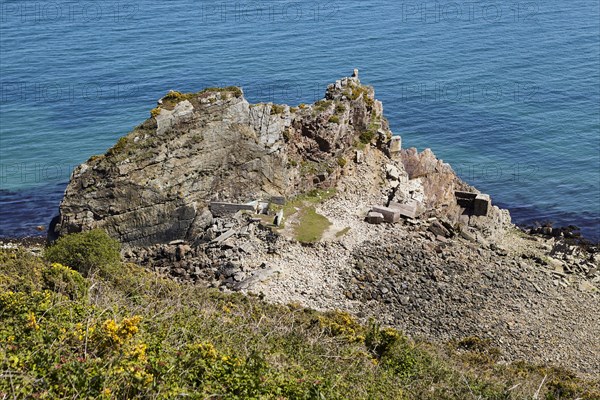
{"type": "Point", "coordinates": [134, 335]}
{"type": "Point", "coordinates": [87, 252]}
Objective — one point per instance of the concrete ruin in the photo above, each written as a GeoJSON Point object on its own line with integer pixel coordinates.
{"type": "Point", "coordinates": [477, 204]}
{"type": "Point", "coordinates": [390, 215]}
{"type": "Point", "coordinates": [409, 210]}
{"type": "Point", "coordinates": [219, 209]}
{"type": "Point", "coordinates": [395, 145]}
{"type": "Point", "coordinates": [374, 217]}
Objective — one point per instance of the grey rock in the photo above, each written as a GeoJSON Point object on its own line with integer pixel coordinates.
{"type": "Point", "coordinates": [389, 214]}
{"type": "Point", "coordinates": [374, 217]}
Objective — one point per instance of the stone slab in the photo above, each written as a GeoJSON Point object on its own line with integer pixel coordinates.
{"type": "Point", "coordinates": [220, 208]}
{"type": "Point", "coordinates": [224, 236]}
{"type": "Point", "coordinates": [389, 214]}
{"type": "Point", "coordinates": [279, 200]}
{"type": "Point", "coordinates": [409, 210]}
{"type": "Point", "coordinates": [374, 218]}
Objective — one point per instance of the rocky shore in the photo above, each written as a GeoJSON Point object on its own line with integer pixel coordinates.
{"type": "Point", "coordinates": [320, 205]}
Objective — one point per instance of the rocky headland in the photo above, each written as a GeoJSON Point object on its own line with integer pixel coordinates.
{"type": "Point", "coordinates": [320, 205]}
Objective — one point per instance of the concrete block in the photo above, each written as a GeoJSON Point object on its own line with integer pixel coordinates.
{"type": "Point", "coordinates": [360, 156]}
{"type": "Point", "coordinates": [395, 144]}
{"type": "Point", "coordinates": [278, 218]}
{"type": "Point", "coordinates": [279, 200]}
{"type": "Point", "coordinates": [481, 205]}
{"type": "Point", "coordinates": [389, 214]}
{"type": "Point", "coordinates": [410, 210]}
{"type": "Point", "coordinates": [219, 209]}
{"type": "Point", "coordinates": [465, 199]}
{"type": "Point", "coordinates": [374, 218]}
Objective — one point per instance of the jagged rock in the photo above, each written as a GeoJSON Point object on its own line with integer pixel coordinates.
{"type": "Point", "coordinates": [392, 172]}
{"type": "Point", "coordinates": [213, 151]}
{"type": "Point", "coordinates": [155, 184]}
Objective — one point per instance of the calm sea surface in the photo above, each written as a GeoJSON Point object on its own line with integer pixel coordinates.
{"type": "Point", "coordinates": [507, 92]}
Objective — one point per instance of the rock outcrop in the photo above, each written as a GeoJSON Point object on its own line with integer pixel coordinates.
{"type": "Point", "coordinates": [156, 184]}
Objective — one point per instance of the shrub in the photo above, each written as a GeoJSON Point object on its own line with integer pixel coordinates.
{"type": "Point", "coordinates": [87, 252]}
{"type": "Point", "coordinates": [367, 136]}
{"type": "Point", "coordinates": [341, 161]}
{"type": "Point", "coordinates": [361, 90]}
{"type": "Point", "coordinates": [118, 147]}
{"type": "Point", "coordinates": [322, 105]}
{"type": "Point", "coordinates": [287, 135]}
{"type": "Point", "coordinates": [334, 119]}
{"type": "Point", "coordinates": [236, 91]}
{"type": "Point", "coordinates": [277, 109]}
{"type": "Point", "coordinates": [154, 112]}
{"type": "Point", "coordinates": [340, 108]}
{"type": "Point", "coordinates": [64, 280]}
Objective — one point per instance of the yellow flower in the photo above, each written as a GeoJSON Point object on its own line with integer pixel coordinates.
{"type": "Point", "coordinates": [31, 321]}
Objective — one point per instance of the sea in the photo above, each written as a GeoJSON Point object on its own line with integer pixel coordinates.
{"type": "Point", "coordinates": [507, 92]}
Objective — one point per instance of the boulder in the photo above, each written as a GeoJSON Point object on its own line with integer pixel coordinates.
{"type": "Point", "coordinates": [374, 217]}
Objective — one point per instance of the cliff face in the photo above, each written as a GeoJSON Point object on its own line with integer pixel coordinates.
{"type": "Point", "coordinates": [156, 183]}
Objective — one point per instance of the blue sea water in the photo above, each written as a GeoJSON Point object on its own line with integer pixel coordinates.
{"type": "Point", "coordinates": [507, 92]}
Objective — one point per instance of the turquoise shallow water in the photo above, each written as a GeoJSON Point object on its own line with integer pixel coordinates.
{"type": "Point", "coordinates": [507, 92]}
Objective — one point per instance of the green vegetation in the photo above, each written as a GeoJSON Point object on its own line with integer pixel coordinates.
{"type": "Point", "coordinates": [95, 158]}
{"type": "Point", "coordinates": [342, 232]}
{"type": "Point", "coordinates": [311, 226]}
{"type": "Point", "coordinates": [155, 112]}
{"type": "Point", "coordinates": [87, 252]}
{"type": "Point", "coordinates": [334, 119]}
{"type": "Point", "coordinates": [367, 136]}
{"type": "Point", "coordinates": [310, 198]}
{"type": "Point", "coordinates": [135, 335]}
{"type": "Point", "coordinates": [234, 90]}
{"type": "Point", "coordinates": [341, 161]}
{"type": "Point", "coordinates": [171, 99]}
{"type": "Point", "coordinates": [119, 147]}
{"type": "Point", "coordinates": [358, 91]}
{"type": "Point", "coordinates": [370, 133]}
{"type": "Point", "coordinates": [340, 108]}
{"type": "Point", "coordinates": [309, 167]}
{"type": "Point", "coordinates": [322, 105]}
{"type": "Point", "coordinates": [277, 109]}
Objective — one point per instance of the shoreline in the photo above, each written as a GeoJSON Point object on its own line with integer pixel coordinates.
{"type": "Point", "coordinates": [541, 231]}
